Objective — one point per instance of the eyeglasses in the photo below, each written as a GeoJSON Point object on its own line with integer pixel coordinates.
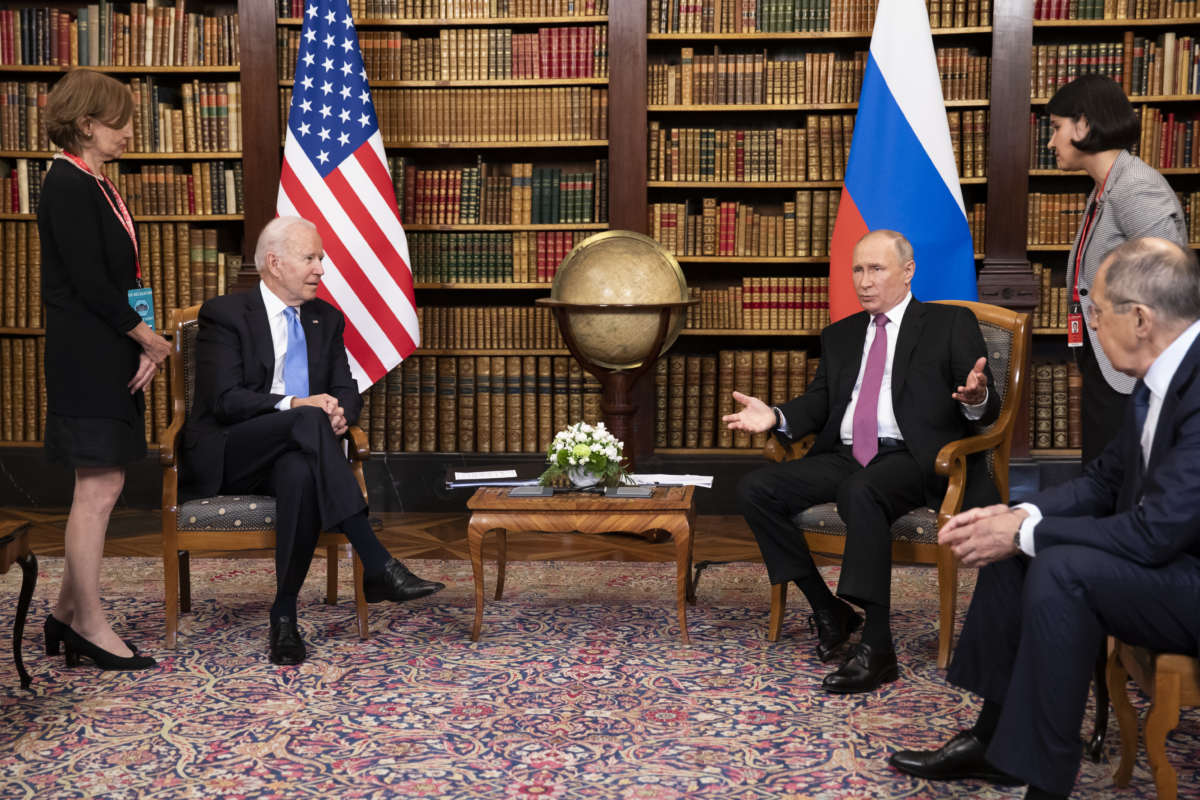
{"type": "Point", "coordinates": [1093, 312]}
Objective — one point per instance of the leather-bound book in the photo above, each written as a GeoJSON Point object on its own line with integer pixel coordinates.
{"type": "Point", "coordinates": [483, 404]}
{"type": "Point", "coordinates": [708, 401]}
{"type": "Point", "coordinates": [591, 399]}
{"type": "Point", "coordinates": [760, 366]}
{"type": "Point", "coordinates": [676, 391]}
{"type": "Point", "coordinates": [574, 391]}
{"type": "Point", "coordinates": [560, 378]}
{"type": "Point", "coordinates": [466, 404]}
{"type": "Point", "coordinates": [691, 402]}
{"type": "Point", "coordinates": [393, 411]}
{"type": "Point", "coordinates": [16, 385]}
{"type": "Point", "coordinates": [743, 382]}
{"type": "Point", "coordinates": [545, 403]}
{"type": "Point", "coordinates": [529, 404]}
{"type": "Point", "coordinates": [514, 417]}
{"type": "Point", "coordinates": [797, 373]}
{"type": "Point", "coordinates": [661, 371]}
{"type": "Point", "coordinates": [428, 388]}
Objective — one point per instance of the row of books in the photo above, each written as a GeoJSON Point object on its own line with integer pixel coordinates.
{"type": "Point", "coordinates": [485, 404]}
{"type": "Point", "coordinates": [189, 117]}
{"type": "Point", "coordinates": [969, 141]}
{"type": "Point", "coordinates": [774, 16]}
{"type": "Point", "coordinates": [434, 116]}
{"type": "Point", "coordinates": [1166, 139]}
{"type": "Point", "coordinates": [762, 304]}
{"type": "Point", "coordinates": [1051, 310]}
{"type": "Point", "coordinates": [1168, 65]}
{"type": "Point", "coordinates": [1055, 416]}
{"type": "Point", "coordinates": [499, 327]}
{"type": "Point", "coordinates": [203, 187]}
{"type": "Point", "coordinates": [472, 54]}
{"type": "Point", "coordinates": [1054, 218]}
{"type": "Point", "coordinates": [518, 257]}
{"type": "Point", "coordinates": [1115, 9]}
{"type": "Point", "coordinates": [965, 75]}
{"type": "Point", "coordinates": [815, 152]}
{"type": "Point", "coordinates": [693, 392]}
{"type": "Point", "coordinates": [457, 9]}
{"type": "Point", "coordinates": [528, 195]}
{"type": "Point", "coordinates": [97, 35]}
{"type": "Point", "coordinates": [22, 388]}
{"type": "Point", "coordinates": [801, 228]}
{"type": "Point", "coordinates": [20, 275]}
{"type": "Point", "coordinates": [755, 78]}
{"type": "Point", "coordinates": [21, 184]}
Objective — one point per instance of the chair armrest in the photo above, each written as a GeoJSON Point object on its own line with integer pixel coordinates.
{"type": "Point", "coordinates": [360, 448]}
{"type": "Point", "coordinates": [952, 462]}
{"type": "Point", "coordinates": [776, 451]}
{"type": "Point", "coordinates": [168, 443]}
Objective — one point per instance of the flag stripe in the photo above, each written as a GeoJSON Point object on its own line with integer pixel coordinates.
{"type": "Point", "coordinates": [346, 296]}
{"type": "Point", "coordinates": [365, 288]}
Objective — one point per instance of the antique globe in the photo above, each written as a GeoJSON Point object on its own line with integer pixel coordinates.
{"type": "Point", "coordinates": [619, 299]}
{"type": "Point", "coordinates": [620, 268]}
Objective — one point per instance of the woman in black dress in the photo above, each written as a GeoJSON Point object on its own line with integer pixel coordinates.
{"type": "Point", "coordinates": [99, 352]}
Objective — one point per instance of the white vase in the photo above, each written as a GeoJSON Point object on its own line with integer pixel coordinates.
{"type": "Point", "coordinates": [582, 478]}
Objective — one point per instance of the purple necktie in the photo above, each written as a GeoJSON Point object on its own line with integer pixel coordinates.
{"type": "Point", "coordinates": [866, 414]}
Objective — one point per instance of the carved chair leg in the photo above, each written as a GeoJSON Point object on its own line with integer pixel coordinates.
{"type": "Point", "coordinates": [185, 582]}
{"type": "Point", "coordinates": [1162, 719]}
{"type": "Point", "coordinates": [947, 570]}
{"type": "Point", "coordinates": [360, 599]}
{"type": "Point", "coordinates": [1127, 719]}
{"type": "Point", "coordinates": [778, 606]}
{"type": "Point", "coordinates": [171, 595]}
{"type": "Point", "coordinates": [331, 575]}
{"type": "Point", "coordinates": [1095, 748]}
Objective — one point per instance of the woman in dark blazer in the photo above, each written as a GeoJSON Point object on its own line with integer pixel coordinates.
{"type": "Point", "coordinates": [99, 352]}
{"type": "Point", "coordinates": [1093, 126]}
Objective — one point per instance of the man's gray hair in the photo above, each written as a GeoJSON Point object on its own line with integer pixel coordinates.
{"type": "Point", "coordinates": [274, 237]}
{"type": "Point", "coordinates": [1156, 273]}
{"type": "Point", "coordinates": [904, 248]}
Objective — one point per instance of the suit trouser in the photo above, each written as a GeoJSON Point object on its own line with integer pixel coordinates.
{"type": "Point", "coordinates": [869, 500]}
{"type": "Point", "coordinates": [294, 456]}
{"type": "Point", "coordinates": [1031, 636]}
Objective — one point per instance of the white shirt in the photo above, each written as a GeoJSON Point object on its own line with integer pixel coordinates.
{"type": "Point", "coordinates": [1158, 380]}
{"type": "Point", "coordinates": [278, 323]}
{"type": "Point", "coordinates": [889, 428]}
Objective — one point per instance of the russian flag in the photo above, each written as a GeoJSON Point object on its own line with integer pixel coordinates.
{"type": "Point", "coordinates": [901, 173]}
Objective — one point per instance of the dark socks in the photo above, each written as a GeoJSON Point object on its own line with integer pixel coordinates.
{"type": "Point", "coordinates": [814, 589]}
{"type": "Point", "coordinates": [285, 606]}
{"type": "Point", "coordinates": [989, 717]}
{"type": "Point", "coordinates": [1034, 793]}
{"type": "Point", "coordinates": [373, 554]}
{"type": "Point", "coordinates": [877, 630]}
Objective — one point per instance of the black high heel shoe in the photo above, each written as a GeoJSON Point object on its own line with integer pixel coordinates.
{"type": "Point", "coordinates": [55, 629]}
{"type": "Point", "coordinates": [78, 646]}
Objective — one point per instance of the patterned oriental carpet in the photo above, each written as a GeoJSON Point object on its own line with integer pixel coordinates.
{"type": "Point", "coordinates": [577, 688]}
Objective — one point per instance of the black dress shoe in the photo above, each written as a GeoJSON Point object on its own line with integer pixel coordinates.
{"type": "Point", "coordinates": [77, 647]}
{"type": "Point", "coordinates": [961, 758]}
{"type": "Point", "coordinates": [834, 626]}
{"type": "Point", "coordinates": [287, 647]}
{"type": "Point", "coordinates": [864, 671]}
{"type": "Point", "coordinates": [397, 584]}
{"type": "Point", "coordinates": [56, 630]}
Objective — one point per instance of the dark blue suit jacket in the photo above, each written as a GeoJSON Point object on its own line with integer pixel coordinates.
{"type": "Point", "coordinates": [1152, 524]}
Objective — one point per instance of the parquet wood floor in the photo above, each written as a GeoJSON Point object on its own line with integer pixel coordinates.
{"type": "Point", "coordinates": [135, 532]}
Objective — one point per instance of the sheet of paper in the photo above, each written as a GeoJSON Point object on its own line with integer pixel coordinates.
{"type": "Point", "coordinates": [485, 476]}
{"type": "Point", "coordinates": [704, 481]}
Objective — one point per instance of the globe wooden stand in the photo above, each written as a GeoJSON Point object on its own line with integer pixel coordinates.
{"type": "Point", "coordinates": [617, 399]}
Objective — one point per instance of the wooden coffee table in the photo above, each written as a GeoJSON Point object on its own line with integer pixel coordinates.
{"type": "Point", "coordinates": [671, 509]}
{"type": "Point", "coordinates": [14, 549]}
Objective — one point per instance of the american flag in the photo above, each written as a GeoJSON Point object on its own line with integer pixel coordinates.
{"type": "Point", "coordinates": [336, 176]}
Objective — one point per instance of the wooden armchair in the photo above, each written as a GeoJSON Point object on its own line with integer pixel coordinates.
{"type": "Point", "coordinates": [914, 536]}
{"type": "Point", "coordinates": [1172, 681]}
{"type": "Point", "coordinates": [225, 523]}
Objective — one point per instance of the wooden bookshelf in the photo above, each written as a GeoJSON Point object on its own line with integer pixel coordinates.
{"type": "Point", "coordinates": [480, 145]}
{"type": "Point", "coordinates": [747, 332]}
{"type": "Point", "coordinates": [564, 226]}
{"type": "Point", "coordinates": [1077, 174]}
{"type": "Point", "coordinates": [134, 155]}
{"type": "Point", "coordinates": [22, 331]}
{"type": "Point", "coordinates": [489, 84]}
{"type": "Point", "coordinates": [1138, 99]}
{"type": "Point", "coordinates": [1158, 22]}
{"type": "Point", "coordinates": [500, 286]}
{"type": "Point", "coordinates": [463, 22]}
{"type": "Point", "coordinates": [223, 69]}
{"type": "Point", "coordinates": [768, 36]}
{"type": "Point", "coordinates": [433, 351]}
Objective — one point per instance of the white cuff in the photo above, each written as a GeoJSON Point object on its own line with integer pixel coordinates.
{"type": "Point", "coordinates": [976, 411]}
{"type": "Point", "coordinates": [1027, 526]}
{"type": "Point", "coordinates": [285, 403]}
{"type": "Point", "coordinates": [782, 427]}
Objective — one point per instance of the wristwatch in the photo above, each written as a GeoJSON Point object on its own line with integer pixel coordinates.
{"type": "Point", "coordinates": [1017, 539]}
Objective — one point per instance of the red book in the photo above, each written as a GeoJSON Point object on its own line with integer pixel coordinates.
{"type": "Point", "coordinates": [410, 193]}
{"type": "Point", "coordinates": [544, 54]}
{"type": "Point", "coordinates": [541, 257]}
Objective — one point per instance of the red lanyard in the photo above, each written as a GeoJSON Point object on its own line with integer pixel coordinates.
{"type": "Point", "coordinates": [119, 209]}
{"type": "Point", "coordinates": [1083, 234]}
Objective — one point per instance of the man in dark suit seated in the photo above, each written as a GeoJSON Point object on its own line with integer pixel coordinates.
{"type": "Point", "coordinates": [885, 399]}
{"type": "Point", "coordinates": [273, 397]}
{"type": "Point", "coordinates": [1115, 551]}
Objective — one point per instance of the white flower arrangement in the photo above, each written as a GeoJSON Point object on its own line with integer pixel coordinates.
{"type": "Point", "coordinates": [583, 449]}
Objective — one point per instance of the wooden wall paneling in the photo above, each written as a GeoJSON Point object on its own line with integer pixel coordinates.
{"type": "Point", "coordinates": [261, 130]}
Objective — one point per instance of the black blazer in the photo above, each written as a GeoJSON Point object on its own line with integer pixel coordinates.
{"type": "Point", "coordinates": [88, 266]}
{"type": "Point", "coordinates": [937, 346]}
{"type": "Point", "coordinates": [235, 362]}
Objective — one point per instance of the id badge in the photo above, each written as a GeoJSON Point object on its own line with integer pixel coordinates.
{"type": "Point", "coordinates": [1075, 329]}
{"type": "Point", "coordinates": [142, 301]}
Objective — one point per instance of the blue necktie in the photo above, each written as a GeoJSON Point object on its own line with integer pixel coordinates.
{"type": "Point", "coordinates": [295, 360]}
{"type": "Point", "coordinates": [1141, 407]}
